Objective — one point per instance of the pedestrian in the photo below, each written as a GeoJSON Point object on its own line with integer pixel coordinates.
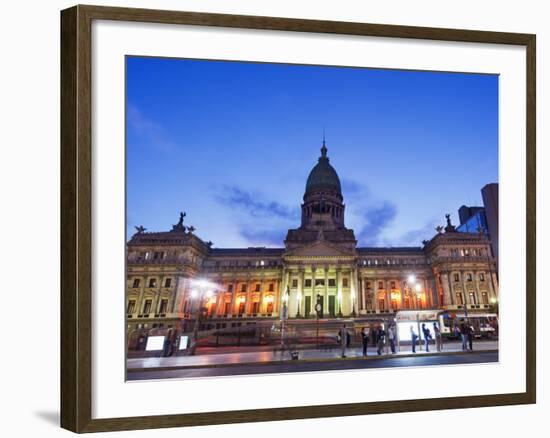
{"type": "Point", "coordinates": [427, 336]}
{"type": "Point", "coordinates": [374, 336]}
{"type": "Point", "coordinates": [343, 338]}
{"type": "Point", "coordinates": [391, 337]}
{"type": "Point", "coordinates": [381, 336]}
{"type": "Point", "coordinates": [438, 339]}
{"type": "Point", "coordinates": [414, 337]}
{"type": "Point", "coordinates": [464, 335]}
{"type": "Point", "coordinates": [471, 337]}
{"type": "Point", "coordinates": [166, 346]}
{"type": "Point", "coordinates": [365, 340]}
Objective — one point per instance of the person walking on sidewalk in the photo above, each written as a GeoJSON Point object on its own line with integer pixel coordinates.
{"type": "Point", "coordinates": [427, 336]}
{"type": "Point", "coordinates": [365, 340]}
{"type": "Point", "coordinates": [471, 337]}
{"type": "Point", "coordinates": [391, 337]}
{"type": "Point", "coordinates": [414, 337]}
{"type": "Point", "coordinates": [343, 338]}
{"type": "Point", "coordinates": [437, 335]}
{"type": "Point", "coordinates": [381, 336]}
{"type": "Point", "coordinates": [464, 335]}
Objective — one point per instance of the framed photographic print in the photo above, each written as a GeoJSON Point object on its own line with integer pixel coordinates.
{"type": "Point", "coordinates": [278, 209]}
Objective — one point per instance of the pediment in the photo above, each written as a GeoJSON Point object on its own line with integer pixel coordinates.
{"type": "Point", "coordinates": [320, 249]}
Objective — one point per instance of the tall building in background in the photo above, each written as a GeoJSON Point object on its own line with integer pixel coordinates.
{"type": "Point", "coordinates": [483, 219]}
{"type": "Point", "coordinates": [489, 194]}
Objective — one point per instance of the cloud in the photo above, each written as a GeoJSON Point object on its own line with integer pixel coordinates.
{"type": "Point", "coordinates": [351, 187]}
{"type": "Point", "coordinates": [271, 237]}
{"type": "Point", "coordinates": [414, 237]}
{"type": "Point", "coordinates": [148, 131]}
{"type": "Point", "coordinates": [254, 203]}
{"type": "Point", "coordinates": [378, 218]}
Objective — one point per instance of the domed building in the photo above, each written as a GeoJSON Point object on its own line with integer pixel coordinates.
{"type": "Point", "coordinates": [320, 271]}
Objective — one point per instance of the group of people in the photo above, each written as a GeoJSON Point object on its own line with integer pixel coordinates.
{"type": "Point", "coordinates": [467, 336]}
{"type": "Point", "coordinates": [378, 336]}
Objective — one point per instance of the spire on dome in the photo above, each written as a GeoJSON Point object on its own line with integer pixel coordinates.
{"type": "Point", "coordinates": [324, 148]}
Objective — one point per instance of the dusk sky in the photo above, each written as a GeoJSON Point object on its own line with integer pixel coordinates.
{"type": "Point", "coordinates": [232, 144]}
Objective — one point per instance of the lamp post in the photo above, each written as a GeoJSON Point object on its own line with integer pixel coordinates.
{"type": "Point", "coordinates": [201, 289]}
{"type": "Point", "coordinates": [284, 316]}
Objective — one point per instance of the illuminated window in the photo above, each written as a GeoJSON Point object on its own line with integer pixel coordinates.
{"type": "Point", "coordinates": [459, 299]}
{"type": "Point", "coordinates": [255, 307]}
{"type": "Point", "coordinates": [473, 298]}
{"type": "Point", "coordinates": [136, 282]}
{"type": "Point", "coordinates": [152, 282]}
{"type": "Point", "coordinates": [131, 307]}
{"type": "Point", "coordinates": [484, 298]}
{"type": "Point", "coordinates": [381, 304]}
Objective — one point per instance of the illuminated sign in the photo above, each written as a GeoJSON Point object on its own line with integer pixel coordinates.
{"type": "Point", "coordinates": [184, 342]}
{"type": "Point", "coordinates": [155, 343]}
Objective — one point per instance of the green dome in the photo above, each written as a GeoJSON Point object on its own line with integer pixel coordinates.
{"type": "Point", "coordinates": [323, 176]}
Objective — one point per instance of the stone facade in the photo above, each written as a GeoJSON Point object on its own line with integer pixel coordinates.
{"type": "Point", "coordinates": [319, 263]}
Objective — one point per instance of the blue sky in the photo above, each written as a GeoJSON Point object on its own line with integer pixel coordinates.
{"type": "Point", "coordinates": [232, 144]}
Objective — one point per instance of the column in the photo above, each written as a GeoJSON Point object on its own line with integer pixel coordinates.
{"type": "Point", "coordinates": [234, 297]}
{"type": "Point", "coordinates": [313, 289]}
{"type": "Point", "coordinates": [156, 300]}
{"type": "Point", "coordinates": [476, 288]}
{"type": "Point", "coordinates": [139, 303]}
{"type": "Point", "coordinates": [353, 291]}
{"type": "Point", "coordinates": [172, 302]}
{"type": "Point", "coordinates": [325, 269]}
{"type": "Point", "coordinates": [301, 293]}
{"type": "Point", "coordinates": [387, 294]}
{"type": "Point", "coordinates": [248, 295]}
{"type": "Point", "coordinates": [339, 292]}
{"type": "Point", "coordinates": [466, 295]}
{"type": "Point", "coordinates": [260, 307]}
{"type": "Point", "coordinates": [362, 289]}
{"type": "Point", "coordinates": [401, 293]}
{"type": "Point", "coordinates": [446, 289]}
{"type": "Point", "coordinates": [427, 294]}
{"type": "Point", "coordinates": [375, 294]}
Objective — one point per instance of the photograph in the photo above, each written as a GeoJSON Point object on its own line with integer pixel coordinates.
{"type": "Point", "coordinates": [297, 218]}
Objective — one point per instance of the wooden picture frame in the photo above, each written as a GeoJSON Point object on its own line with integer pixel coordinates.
{"type": "Point", "coordinates": [76, 218]}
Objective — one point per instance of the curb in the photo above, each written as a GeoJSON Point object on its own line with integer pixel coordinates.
{"type": "Point", "coordinates": [311, 360]}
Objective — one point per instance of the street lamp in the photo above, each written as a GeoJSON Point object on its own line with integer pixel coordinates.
{"type": "Point", "coordinates": [284, 316]}
{"type": "Point", "coordinates": [201, 289]}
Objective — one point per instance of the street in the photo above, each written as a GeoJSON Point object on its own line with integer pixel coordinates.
{"type": "Point", "coordinates": [326, 364]}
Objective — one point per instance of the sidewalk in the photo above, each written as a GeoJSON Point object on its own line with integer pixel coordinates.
{"type": "Point", "coordinates": [269, 357]}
